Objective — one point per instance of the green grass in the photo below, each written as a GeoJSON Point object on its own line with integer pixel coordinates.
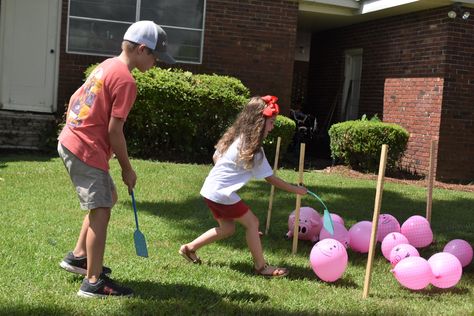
{"type": "Point", "coordinates": [41, 220]}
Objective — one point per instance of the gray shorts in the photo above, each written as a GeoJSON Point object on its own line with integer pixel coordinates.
{"type": "Point", "coordinates": [94, 187]}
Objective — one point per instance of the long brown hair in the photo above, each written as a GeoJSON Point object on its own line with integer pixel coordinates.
{"type": "Point", "coordinates": [250, 125]}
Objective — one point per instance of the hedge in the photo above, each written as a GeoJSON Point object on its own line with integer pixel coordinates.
{"type": "Point", "coordinates": [284, 127]}
{"type": "Point", "coordinates": [179, 116]}
{"type": "Point", "coordinates": [358, 143]}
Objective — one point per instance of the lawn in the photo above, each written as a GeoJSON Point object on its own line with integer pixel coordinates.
{"type": "Point", "coordinates": [42, 219]}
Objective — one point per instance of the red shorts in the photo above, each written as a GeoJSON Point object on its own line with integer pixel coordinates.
{"type": "Point", "coordinates": [223, 211]}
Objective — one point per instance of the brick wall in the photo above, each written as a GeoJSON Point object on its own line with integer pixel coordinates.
{"type": "Point", "coordinates": [252, 40]}
{"type": "Point", "coordinates": [23, 130]}
{"type": "Point", "coordinates": [411, 45]}
{"type": "Point", "coordinates": [415, 104]}
{"type": "Point", "coordinates": [417, 45]}
{"type": "Point", "coordinates": [456, 148]}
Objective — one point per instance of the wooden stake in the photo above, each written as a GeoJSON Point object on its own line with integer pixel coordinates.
{"type": "Point", "coordinates": [429, 197]}
{"type": "Point", "coordinates": [298, 200]}
{"type": "Point", "coordinates": [272, 190]}
{"type": "Point", "coordinates": [375, 219]}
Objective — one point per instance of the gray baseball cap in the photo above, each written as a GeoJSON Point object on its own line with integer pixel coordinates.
{"type": "Point", "coordinates": [152, 36]}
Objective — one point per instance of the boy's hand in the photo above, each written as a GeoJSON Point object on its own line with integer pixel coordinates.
{"type": "Point", "coordinates": [129, 178]}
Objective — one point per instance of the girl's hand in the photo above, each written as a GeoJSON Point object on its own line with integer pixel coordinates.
{"type": "Point", "coordinates": [301, 190]}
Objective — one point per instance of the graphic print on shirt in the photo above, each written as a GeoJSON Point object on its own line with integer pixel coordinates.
{"type": "Point", "coordinates": [83, 101]}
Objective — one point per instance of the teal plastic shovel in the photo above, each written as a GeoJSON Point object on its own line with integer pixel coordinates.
{"type": "Point", "coordinates": [327, 220]}
{"type": "Point", "coordinates": [138, 237]}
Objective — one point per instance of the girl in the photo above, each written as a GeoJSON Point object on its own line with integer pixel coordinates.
{"type": "Point", "coordinates": [239, 156]}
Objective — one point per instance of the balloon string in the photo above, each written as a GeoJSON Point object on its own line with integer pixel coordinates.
{"type": "Point", "coordinates": [315, 195]}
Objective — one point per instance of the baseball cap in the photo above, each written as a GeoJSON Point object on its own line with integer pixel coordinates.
{"type": "Point", "coordinates": [152, 36]}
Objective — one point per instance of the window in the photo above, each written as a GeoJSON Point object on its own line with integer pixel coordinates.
{"type": "Point", "coordinates": [96, 27]}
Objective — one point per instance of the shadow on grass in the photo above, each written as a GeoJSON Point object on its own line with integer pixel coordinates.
{"type": "Point", "coordinates": [296, 273]}
{"type": "Point", "coordinates": [451, 219]}
{"type": "Point", "coordinates": [192, 216]}
{"type": "Point", "coordinates": [428, 294]}
{"type": "Point", "coordinates": [186, 299]}
{"type": "Point", "coordinates": [28, 310]}
{"type": "Point", "coordinates": [7, 155]}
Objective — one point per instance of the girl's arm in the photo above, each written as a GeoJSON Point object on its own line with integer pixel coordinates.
{"type": "Point", "coordinates": [215, 157]}
{"type": "Point", "coordinates": [281, 184]}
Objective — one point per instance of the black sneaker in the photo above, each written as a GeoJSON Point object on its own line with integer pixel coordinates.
{"type": "Point", "coordinates": [104, 287]}
{"type": "Point", "coordinates": [78, 265]}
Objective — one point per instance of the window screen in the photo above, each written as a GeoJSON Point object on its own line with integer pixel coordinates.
{"type": "Point", "coordinates": [96, 27]}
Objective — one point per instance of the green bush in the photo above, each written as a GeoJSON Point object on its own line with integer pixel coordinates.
{"type": "Point", "coordinates": [358, 143]}
{"type": "Point", "coordinates": [284, 127]}
{"type": "Point", "coordinates": [179, 116]}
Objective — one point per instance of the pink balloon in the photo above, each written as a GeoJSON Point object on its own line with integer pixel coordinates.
{"type": "Point", "coordinates": [341, 234]}
{"type": "Point", "coordinates": [328, 258]}
{"type": "Point", "coordinates": [387, 224]}
{"type": "Point", "coordinates": [418, 231]}
{"type": "Point", "coordinates": [337, 218]}
{"type": "Point", "coordinates": [402, 251]}
{"type": "Point", "coordinates": [447, 269]}
{"type": "Point", "coordinates": [461, 249]}
{"type": "Point", "coordinates": [310, 224]}
{"type": "Point", "coordinates": [390, 241]}
{"type": "Point", "coordinates": [413, 273]}
{"type": "Point", "coordinates": [359, 236]}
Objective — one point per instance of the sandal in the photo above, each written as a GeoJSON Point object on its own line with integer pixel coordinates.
{"type": "Point", "coordinates": [274, 272]}
{"type": "Point", "coordinates": [189, 254]}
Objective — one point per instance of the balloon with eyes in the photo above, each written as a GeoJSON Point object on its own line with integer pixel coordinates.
{"type": "Point", "coordinates": [402, 251]}
{"type": "Point", "coordinates": [309, 226]}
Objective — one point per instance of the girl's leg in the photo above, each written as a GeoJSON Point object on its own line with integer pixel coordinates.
{"type": "Point", "coordinates": [250, 222]}
{"type": "Point", "coordinates": [226, 228]}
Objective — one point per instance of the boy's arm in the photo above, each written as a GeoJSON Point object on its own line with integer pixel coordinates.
{"type": "Point", "coordinates": [279, 183]}
{"type": "Point", "coordinates": [119, 147]}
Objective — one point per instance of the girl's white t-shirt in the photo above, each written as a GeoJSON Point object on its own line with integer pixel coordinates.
{"type": "Point", "coordinates": [228, 175]}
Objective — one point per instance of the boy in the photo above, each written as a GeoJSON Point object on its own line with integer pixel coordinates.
{"type": "Point", "coordinates": [94, 130]}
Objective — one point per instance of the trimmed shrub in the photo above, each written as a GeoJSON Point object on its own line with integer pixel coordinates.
{"type": "Point", "coordinates": [284, 127]}
{"type": "Point", "coordinates": [179, 116]}
{"type": "Point", "coordinates": [358, 143]}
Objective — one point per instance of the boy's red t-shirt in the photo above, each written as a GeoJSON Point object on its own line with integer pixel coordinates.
{"type": "Point", "coordinates": [109, 91]}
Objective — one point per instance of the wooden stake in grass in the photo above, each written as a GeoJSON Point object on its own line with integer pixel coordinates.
{"type": "Point", "coordinates": [298, 200]}
{"type": "Point", "coordinates": [429, 197]}
{"type": "Point", "coordinates": [375, 219]}
{"type": "Point", "coordinates": [272, 190]}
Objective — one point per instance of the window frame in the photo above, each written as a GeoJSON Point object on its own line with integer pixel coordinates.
{"type": "Point", "coordinates": [137, 18]}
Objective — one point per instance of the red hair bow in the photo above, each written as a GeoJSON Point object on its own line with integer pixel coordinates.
{"type": "Point", "coordinates": [271, 108]}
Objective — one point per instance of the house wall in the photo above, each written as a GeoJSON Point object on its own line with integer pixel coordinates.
{"type": "Point", "coordinates": [417, 45]}
{"type": "Point", "coordinates": [252, 40]}
{"type": "Point", "coordinates": [456, 148]}
{"type": "Point", "coordinates": [415, 104]}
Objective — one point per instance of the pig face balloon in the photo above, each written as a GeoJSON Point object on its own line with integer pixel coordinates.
{"type": "Point", "coordinates": [328, 259]}
{"type": "Point", "coordinates": [309, 226]}
{"type": "Point", "coordinates": [390, 241]}
{"type": "Point", "coordinates": [402, 251]}
{"type": "Point", "coordinates": [387, 224]}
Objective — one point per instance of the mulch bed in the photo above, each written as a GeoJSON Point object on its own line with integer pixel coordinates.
{"type": "Point", "coordinates": [399, 178]}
